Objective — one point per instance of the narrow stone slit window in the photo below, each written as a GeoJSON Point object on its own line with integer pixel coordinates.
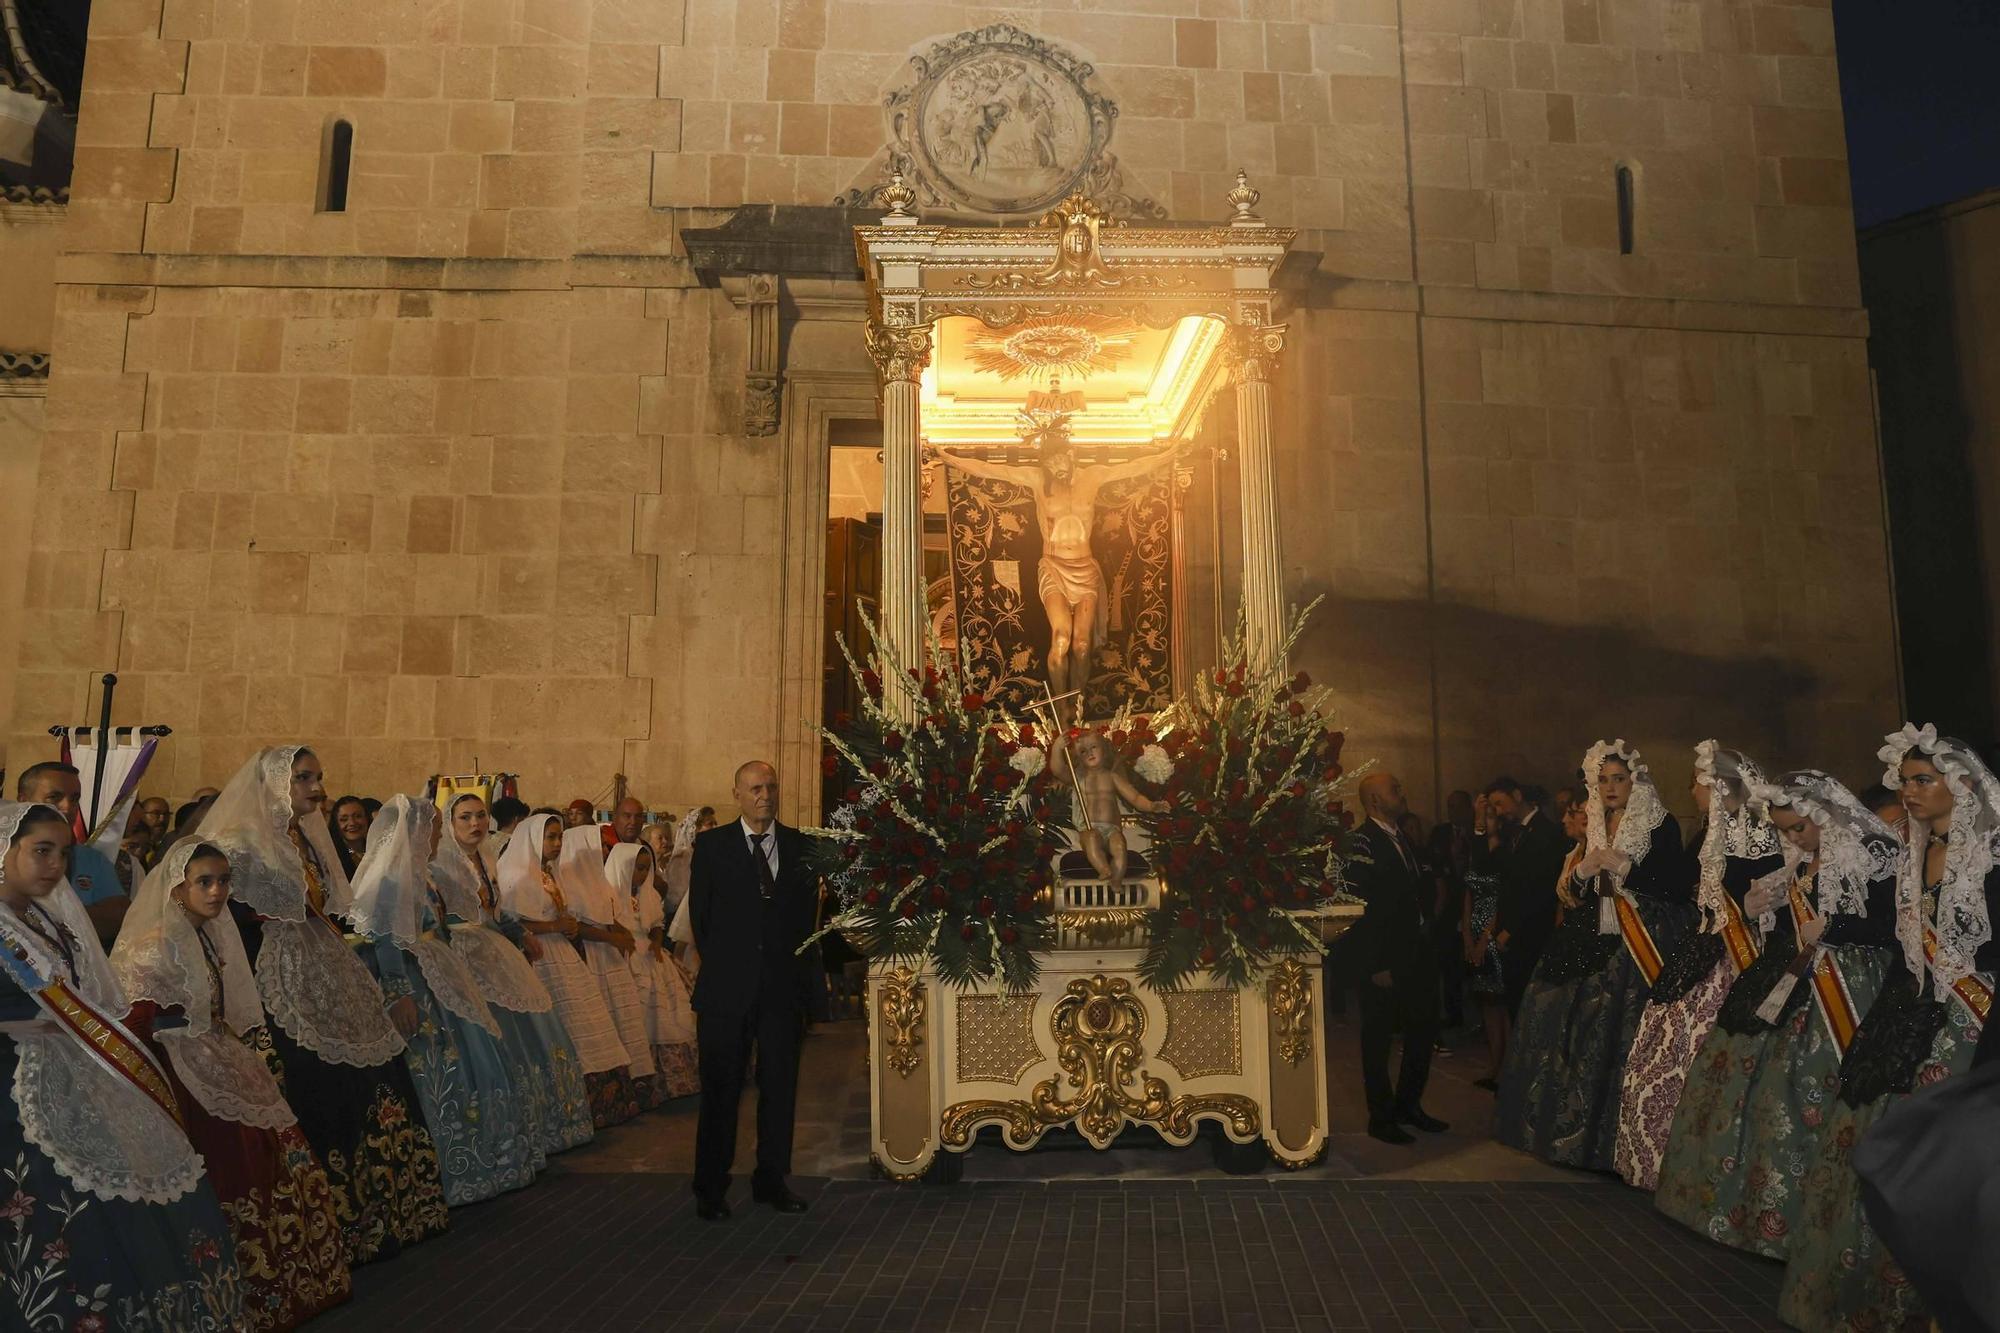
{"type": "Point", "coordinates": [336, 154]}
{"type": "Point", "coordinates": [1624, 209]}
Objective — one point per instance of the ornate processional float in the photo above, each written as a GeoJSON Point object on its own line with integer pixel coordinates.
{"type": "Point", "coordinates": [1093, 880]}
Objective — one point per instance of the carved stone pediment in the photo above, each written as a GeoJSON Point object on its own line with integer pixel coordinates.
{"type": "Point", "coordinates": [1000, 123]}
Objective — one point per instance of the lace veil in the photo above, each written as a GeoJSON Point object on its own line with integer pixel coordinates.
{"type": "Point", "coordinates": [1743, 832]}
{"type": "Point", "coordinates": [452, 871]}
{"type": "Point", "coordinates": [390, 886]}
{"type": "Point", "coordinates": [505, 978]}
{"type": "Point", "coordinates": [521, 888]}
{"type": "Point", "coordinates": [1644, 810]}
{"type": "Point", "coordinates": [681, 859]}
{"type": "Point", "coordinates": [618, 874]}
{"type": "Point", "coordinates": [102, 1134]}
{"type": "Point", "coordinates": [1855, 846]}
{"type": "Point", "coordinates": [251, 820]}
{"type": "Point", "coordinates": [580, 872]}
{"type": "Point", "coordinates": [1961, 922]}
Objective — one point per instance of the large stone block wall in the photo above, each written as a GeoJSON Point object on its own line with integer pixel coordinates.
{"type": "Point", "coordinates": [459, 472]}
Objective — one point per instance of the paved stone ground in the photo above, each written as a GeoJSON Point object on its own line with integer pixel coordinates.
{"type": "Point", "coordinates": [625, 1252]}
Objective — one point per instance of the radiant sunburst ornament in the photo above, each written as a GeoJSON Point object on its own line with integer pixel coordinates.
{"type": "Point", "coordinates": [1053, 346]}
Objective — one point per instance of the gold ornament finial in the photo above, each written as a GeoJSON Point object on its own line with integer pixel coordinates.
{"type": "Point", "coordinates": [898, 195]}
{"type": "Point", "coordinates": [1244, 200]}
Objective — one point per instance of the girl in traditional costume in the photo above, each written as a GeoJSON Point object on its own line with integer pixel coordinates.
{"type": "Point", "coordinates": [547, 1073]}
{"type": "Point", "coordinates": [1922, 1029]}
{"type": "Point", "coordinates": [1625, 909]}
{"type": "Point", "coordinates": [455, 1056]}
{"type": "Point", "coordinates": [663, 991]}
{"type": "Point", "coordinates": [530, 893]}
{"type": "Point", "coordinates": [1738, 844]}
{"type": "Point", "coordinates": [331, 1039]}
{"type": "Point", "coordinates": [182, 965]}
{"type": "Point", "coordinates": [106, 1221]}
{"type": "Point", "coordinates": [606, 947]}
{"type": "Point", "coordinates": [1762, 1085]}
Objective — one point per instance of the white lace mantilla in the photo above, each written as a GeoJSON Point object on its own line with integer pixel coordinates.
{"type": "Point", "coordinates": [505, 977]}
{"type": "Point", "coordinates": [323, 996]}
{"type": "Point", "coordinates": [230, 1080]}
{"type": "Point", "coordinates": [1644, 811]}
{"type": "Point", "coordinates": [1959, 918]}
{"type": "Point", "coordinates": [451, 981]}
{"type": "Point", "coordinates": [101, 1133]}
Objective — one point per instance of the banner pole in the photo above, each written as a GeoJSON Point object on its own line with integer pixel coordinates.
{"type": "Point", "coordinates": [103, 731]}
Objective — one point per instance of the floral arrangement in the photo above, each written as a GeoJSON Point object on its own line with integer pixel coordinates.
{"type": "Point", "coordinates": [943, 843]}
{"type": "Point", "coordinates": [1249, 765]}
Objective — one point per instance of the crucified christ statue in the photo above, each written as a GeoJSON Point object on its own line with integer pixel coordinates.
{"type": "Point", "coordinates": [1070, 581]}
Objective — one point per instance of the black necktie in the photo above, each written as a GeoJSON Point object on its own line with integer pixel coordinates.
{"type": "Point", "coordinates": [764, 879]}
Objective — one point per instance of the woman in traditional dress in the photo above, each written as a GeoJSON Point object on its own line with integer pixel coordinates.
{"type": "Point", "coordinates": [680, 930]}
{"type": "Point", "coordinates": [333, 1041]}
{"type": "Point", "coordinates": [663, 991]}
{"type": "Point", "coordinates": [106, 1221]}
{"type": "Point", "coordinates": [1738, 844]}
{"type": "Point", "coordinates": [546, 1070]}
{"type": "Point", "coordinates": [181, 962]}
{"type": "Point", "coordinates": [462, 1075]}
{"type": "Point", "coordinates": [529, 891]}
{"type": "Point", "coordinates": [1921, 1029]}
{"type": "Point", "coordinates": [607, 947]}
{"type": "Point", "coordinates": [1626, 907]}
{"type": "Point", "coordinates": [1761, 1086]}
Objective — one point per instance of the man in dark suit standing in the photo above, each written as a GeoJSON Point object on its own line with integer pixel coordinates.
{"type": "Point", "coordinates": [1395, 965]}
{"type": "Point", "coordinates": [1535, 848]}
{"type": "Point", "coordinates": [752, 900]}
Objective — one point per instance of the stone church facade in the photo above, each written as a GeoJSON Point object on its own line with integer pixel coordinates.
{"type": "Point", "coordinates": [1573, 426]}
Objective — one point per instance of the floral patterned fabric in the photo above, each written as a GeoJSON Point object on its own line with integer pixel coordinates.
{"type": "Point", "coordinates": [1663, 1049]}
{"type": "Point", "coordinates": [1751, 1119]}
{"type": "Point", "coordinates": [1840, 1274]}
{"type": "Point", "coordinates": [613, 1099]}
{"type": "Point", "coordinates": [554, 1098]}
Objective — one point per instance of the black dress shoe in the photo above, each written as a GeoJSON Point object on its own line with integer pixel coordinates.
{"type": "Point", "coordinates": [711, 1210]}
{"type": "Point", "coordinates": [1429, 1124]}
{"type": "Point", "coordinates": [782, 1199]}
{"type": "Point", "coordinates": [1389, 1132]}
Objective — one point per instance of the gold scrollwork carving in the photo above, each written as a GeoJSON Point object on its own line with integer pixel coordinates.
{"type": "Point", "coordinates": [902, 1008]}
{"type": "Point", "coordinates": [1290, 995]}
{"type": "Point", "coordinates": [1099, 1027]}
{"type": "Point", "coordinates": [900, 351]}
{"type": "Point", "coordinates": [1253, 350]}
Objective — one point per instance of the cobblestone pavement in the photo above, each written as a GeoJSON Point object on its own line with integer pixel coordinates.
{"type": "Point", "coordinates": [617, 1252]}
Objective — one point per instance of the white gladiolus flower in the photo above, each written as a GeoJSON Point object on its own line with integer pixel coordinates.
{"type": "Point", "coordinates": [1153, 764]}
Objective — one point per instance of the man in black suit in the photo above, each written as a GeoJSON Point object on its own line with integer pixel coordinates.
{"type": "Point", "coordinates": [1535, 848]}
{"type": "Point", "coordinates": [1395, 965]}
{"type": "Point", "coordinates": [752, 902]}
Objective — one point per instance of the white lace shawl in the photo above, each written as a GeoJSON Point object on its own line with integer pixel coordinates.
{"type": "Point", "coordinates": [392, 905]}
{"type": "Point", "coordinates": [1644, 811]}
{"type": "Point", "coordinates": [681, 860]}
{"type": "Point", "coordinates": [506, 979]}
{"type": "Point", "coordinates": [627, 903]}
{"type": "Point", "coordinates": [580, 872]}
{"type": "Point", "coordinates": [323, 996]}
{"type": "Point", "coordinates": [159, 957]}
{"type": "Point", "coordinates": [1855, 846]}
{"type": "Point", "coordinates": [251, 820]}
{"type": "Point", "coordinates": [102, 1134]}
{"type": "Point", "coordinates": [1743, 832]}
{"type": "Point", "coordinates": [1960, 918]}
{"type": "Point", "coordinates": [523, 887]}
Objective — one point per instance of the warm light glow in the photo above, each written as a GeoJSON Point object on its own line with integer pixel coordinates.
{"type": "Point", "coordinates": [1151, 395]}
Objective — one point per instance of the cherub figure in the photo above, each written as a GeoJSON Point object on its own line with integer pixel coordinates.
{"type": "Point", "coordinates": [1100, 787]}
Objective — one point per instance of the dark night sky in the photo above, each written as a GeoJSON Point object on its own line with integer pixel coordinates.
{"type": "Point", "coordinates": [1920, 84]}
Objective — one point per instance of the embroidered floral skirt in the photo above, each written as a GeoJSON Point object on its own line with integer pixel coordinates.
{"type": "Point", "coordinates": [367, 1130]}
{"type": "Point", "coordinates": [71, 1262]}
{"type": "Point", "coordinates": [1750, 1119]}
{"type": "Point", "coordinates": [1840, 1275]}
{"type": "Point", "coordinates": [548, 1077]}
{"type": "Point", "coordinates": [1663, 1050]}
{"type": "Point", "coordinates": [1565, 1071]}
{"type": "Point", "coordinates": [613, 1099]}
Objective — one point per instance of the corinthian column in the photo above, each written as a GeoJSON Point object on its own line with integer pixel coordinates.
{"type": "Point", "coordinates": [1254, 349]}
{"type": "Point", "coordinates": [901, 352]}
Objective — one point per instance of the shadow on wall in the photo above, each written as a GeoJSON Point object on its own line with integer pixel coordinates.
{"type": "Point", "coordinates": [1527, 697]}
{"type": "Point", "coordinates": [1940, 491]}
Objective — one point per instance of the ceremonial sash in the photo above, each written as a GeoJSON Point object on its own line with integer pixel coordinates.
{"type": "Point", "coordinates": [1736, 938]}
{"type": "Point", "coordinates": [107, 1040]}
{"type": "Point", "coordinates": [1969, 990]}
{"type": "Point", "coordinates": [1836, 1005]}
{"type": "Point", "coordinates": [1638, 940]}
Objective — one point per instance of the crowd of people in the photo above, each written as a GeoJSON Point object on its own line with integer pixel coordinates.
{"type": "Point", "coordinates": [1736, 1021]}
{"type": "Point", "coordinates": [273, 1039]}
